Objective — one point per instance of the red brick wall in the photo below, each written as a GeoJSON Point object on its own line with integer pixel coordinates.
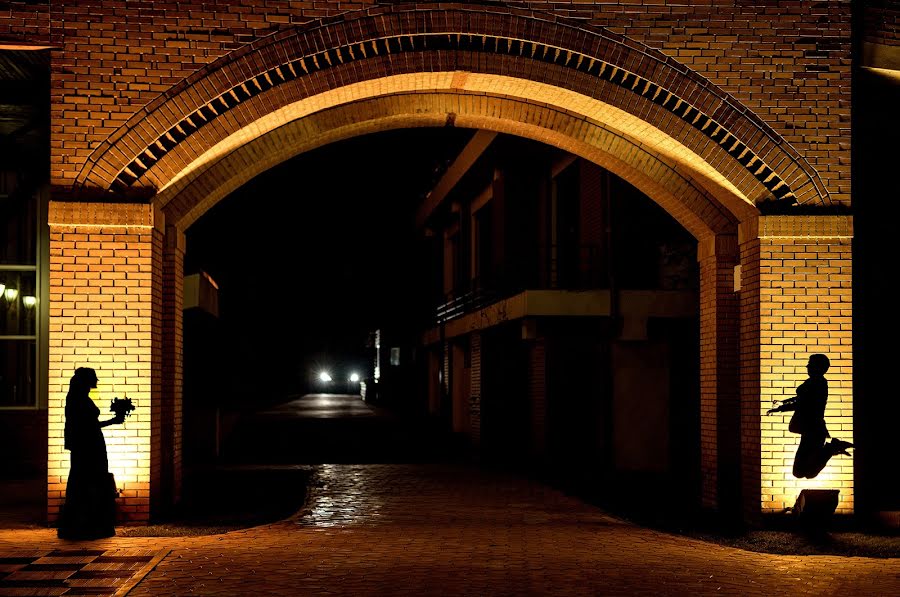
{"type": "Point", "coordinates": [172, 365]}
{"type": "Point", "coordinates": [24, 22]}
{"type": "Point", "coordinates": [445, 368]}
{"type": "Point", "coordinates": [788, 64]}
{"type": "Point", "coordinates": [795, 301]}
{"type": "Point", "coordinates": [434, 380]}
{"type": "Point", "coordinates": [750, 334]}
{"type": "Point", "coordinates": [105, 313]}
{"type": "Point", "coordinates": [881, 22]}
{"type": "Point", "coordinates": [537, 395]}
{"type": "Point", "coordinates": [719, 371]}
{"type": "Point", "coordinates": [475, 388]}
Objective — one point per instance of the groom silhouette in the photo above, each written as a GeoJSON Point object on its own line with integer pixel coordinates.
{"type": "Point", "coordinates": [808, 405]}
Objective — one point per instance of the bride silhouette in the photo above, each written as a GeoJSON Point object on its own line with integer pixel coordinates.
{"type": "Point", "coordinates": [89, 511]}
{"type": "Point", "coordinates": [808, 405]}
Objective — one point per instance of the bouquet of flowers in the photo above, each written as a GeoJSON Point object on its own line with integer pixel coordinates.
{"type": "Point", "coordinates": [121, 406]}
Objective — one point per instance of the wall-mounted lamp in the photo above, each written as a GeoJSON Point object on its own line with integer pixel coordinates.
{"type": "Point", "coordinates": [11, 294]}
{"type": "Point", "coordinates": [29, 301]}
{"type": "Point", "coordinates": [2, 288]}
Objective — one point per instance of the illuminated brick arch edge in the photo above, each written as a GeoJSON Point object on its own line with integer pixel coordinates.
{"type": "Point", "coordinates": [322, 60]}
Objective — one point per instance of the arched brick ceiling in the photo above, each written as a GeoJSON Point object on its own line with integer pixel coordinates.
{"type": "Point", "coordinates": [692, 194]}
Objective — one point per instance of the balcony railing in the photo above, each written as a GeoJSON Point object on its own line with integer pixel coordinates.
{"type": "Point", "coordinates": [454, 306]}
{"type": "Point", "coordinates": [549, 268]}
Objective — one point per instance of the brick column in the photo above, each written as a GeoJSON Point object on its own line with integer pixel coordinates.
{"type": "Point", "coordinates": [445, 375]}
{"type": "Point", "coordinates": [105, 313]}
{"type": "Point", "coordinates": [475, 388]}
{"type": "Point", "coordinates": [172, 367]}
{"type": "Point", "coordinates": [434, 380]}
{"type": "Point", "coordinates": [537, 395]}
{"type": "Point", "coordinates": [719, 374]}
{"type": "Point", "coordinates": [795, 301]}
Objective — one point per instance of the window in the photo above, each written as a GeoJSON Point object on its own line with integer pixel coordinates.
{"type": "Point", "coordinates": [24, 249]}
{"type": "Point", "coordinates": [19, 294]}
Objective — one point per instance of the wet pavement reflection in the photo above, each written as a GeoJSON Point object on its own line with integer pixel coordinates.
{"type": "Point", "coordinates": [450, 494]}
{"type": "Point", "coordinates": [326, 406]}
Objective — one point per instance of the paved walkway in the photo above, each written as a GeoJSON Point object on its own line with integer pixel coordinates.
{"type": "Point", "coordinates": [381, 528]}
{"type": "Point", "coordinates": [384, 529]}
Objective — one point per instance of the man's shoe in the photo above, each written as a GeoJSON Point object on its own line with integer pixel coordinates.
{"type": "Point", "coordinates": [839, 446]}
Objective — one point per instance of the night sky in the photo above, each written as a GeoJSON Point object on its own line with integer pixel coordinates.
{"type": "Point", "coordinates": [313, 254]}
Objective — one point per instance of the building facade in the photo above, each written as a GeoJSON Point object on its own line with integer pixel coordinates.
{"type": "Point", "coordinates": [733, 117]}
{"type": "Point", "coordinates": [567, 322]}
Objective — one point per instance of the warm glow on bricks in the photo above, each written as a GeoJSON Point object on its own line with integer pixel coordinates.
{"type": "Point", "coordinates": [695, 200]}
{"type": "Point", "coordinates": [116, 269]}
{"type": "Point", "coordinates": [104, 276]}
{"type": "Point", "coordinates": [804, 292]}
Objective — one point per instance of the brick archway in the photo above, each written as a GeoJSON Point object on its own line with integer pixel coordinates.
{"type": "Point", "coordinates": [691, 147]}
{"type": "Point", "coordinates": [292, 65]}
{"type": "Point", "coordinates": [701, 199]}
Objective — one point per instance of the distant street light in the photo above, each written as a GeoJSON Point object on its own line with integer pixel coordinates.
{"type": "Point", "coordinates": [354, 377]}
{"type": "Point", "coordinates": [324, 376]}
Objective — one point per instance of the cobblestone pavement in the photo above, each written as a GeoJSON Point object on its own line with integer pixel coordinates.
{"type": "Point", "coordinates": [428, 529]}
{"type": "Point", "coordinates": [73, 572]}
{"type": "Point", "coordinates": [453, 529]}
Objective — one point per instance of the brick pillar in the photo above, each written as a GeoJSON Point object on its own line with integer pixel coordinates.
{"type": "Point", "coordinates": [172, 367]}
{"type": "Point", "coordinates": [445, 375]}
{"type": "Point", "coordinates": [475, 388]}
{"type": "Point", "coordinates": [537, 395]}
{"type": "Point", "coordinates": [719, 375]}
{"type": "Point", "coordinates": [434, 381]}
{"type": "Point", "coordinates": [105, 313]}
{"type": "Point", "coordinates": [459, 386]}
{"type": "Point", "coordinates": [795, 301]}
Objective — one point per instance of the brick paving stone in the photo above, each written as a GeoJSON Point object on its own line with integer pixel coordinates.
{"type": "Point", "coordinates": [453, 529]}
{"type": "Point", "coordinates": [59, 570]}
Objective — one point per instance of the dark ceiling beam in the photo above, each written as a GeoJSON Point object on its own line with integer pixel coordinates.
{"type": "Point", "coordinates": [561, 163]}
{"type": "Point", "coordinates": [473, 150]}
